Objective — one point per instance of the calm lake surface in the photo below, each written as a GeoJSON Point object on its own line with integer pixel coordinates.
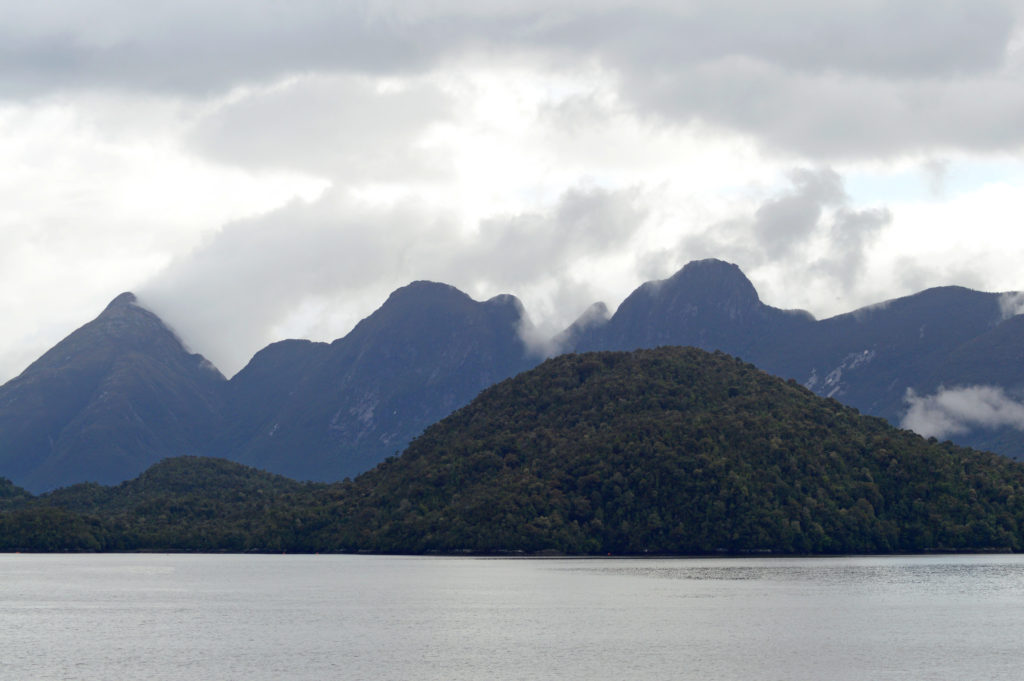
{"type": "Point", "coordinates": [186, 617]}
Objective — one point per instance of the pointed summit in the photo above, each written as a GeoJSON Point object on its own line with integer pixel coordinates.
{"type": "Point", "coordinates": [123, 300]}
{"type": "Point", "coordinates": [113, 397]}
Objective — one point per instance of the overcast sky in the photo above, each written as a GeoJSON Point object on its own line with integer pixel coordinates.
{"type": "Point", "coordinates": [259, 170]}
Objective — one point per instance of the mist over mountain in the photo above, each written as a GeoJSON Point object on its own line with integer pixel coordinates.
{"type": "Point", "coordinates": [122, 392]}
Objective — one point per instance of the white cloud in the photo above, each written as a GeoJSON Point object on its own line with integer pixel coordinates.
{"type": "Point", "coordinates": [1011, 303]}
{"type": "Point", "coordinates": [257, 278]}
{"type": "Point", "coordinates": [803, 246]}
{"type": "Point", "coordinates": [953, 411]}
{"type": "Point", "coordinates": [562, 151]}
{"type": "Point", "coordinates": [93, 206]}
{"type": "Point", "coordinates": [348, 128]}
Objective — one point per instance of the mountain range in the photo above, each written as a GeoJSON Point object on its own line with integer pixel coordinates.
{"type": "Point", "coordinates": [671, 451]}
{"type": "Point", "coordinates": [122, 391]}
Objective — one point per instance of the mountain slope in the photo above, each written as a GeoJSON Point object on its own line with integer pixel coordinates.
{"type": "Point", "coordinates": [327, 412]}
{"type": "Point", "coordinates": [121, 392]}
{"type": "Point", "coordinates": [674, 450]}
{"type": "Point", "coordinates": [868, 358]}
{"type": "Point", "coordinates": [115, 396]}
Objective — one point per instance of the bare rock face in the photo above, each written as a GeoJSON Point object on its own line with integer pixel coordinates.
{"type": "Point", "coordinates": [114, 397]}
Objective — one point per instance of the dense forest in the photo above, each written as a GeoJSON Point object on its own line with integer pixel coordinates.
{"type": "Point", "coordinates": [667, 451]}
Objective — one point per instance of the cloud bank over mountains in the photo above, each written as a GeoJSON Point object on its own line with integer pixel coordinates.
{"type": "Point", "coordinates": [280, 168]}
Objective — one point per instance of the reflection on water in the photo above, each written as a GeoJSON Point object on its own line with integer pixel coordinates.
{"type": "Point", "coordinates": [363, 617]}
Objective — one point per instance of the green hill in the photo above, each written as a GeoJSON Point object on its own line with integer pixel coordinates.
{"type": "Point", "coordinates": [185, 503]}
{"type": "Point", "coordinates": [667, 451]}
{"type": "Point", "coordinates": [675, 451]}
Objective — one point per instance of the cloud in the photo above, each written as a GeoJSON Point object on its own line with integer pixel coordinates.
{"type": "Point", "coordinates": [195, 48]}
{"type": "Point", "coordinates": [1011, 304]}
{"type": "Point", "coordinates": [807, 240]}
{"type": "Point", "coordinates": [844, 80]}
{"type": "Point", "coordinates": [936, 171]}
{"type": "Point", "coordinates": [318, 267]}
{"type": "Point", "coordinates": [782, 223]}
{"type": "Point", "coordinates": [583, 223]}
{"type": "Point", "coordinates": [348, 128]}
{"type": "Point", "coordinates": [953, 411]}
{"type": "Point", "coordinates": [553, 149]}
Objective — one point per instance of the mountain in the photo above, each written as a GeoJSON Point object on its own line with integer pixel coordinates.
{"type": "Point", "coordinates": [121, 392]}
{"type": "Point", "coordinates": [869, 358]}
{"type": "Point", "coordinates": [668, 451]}
{"type": "Point", "coordinates": [114, 397]}
{"type": "Point", "coordinates": [708, 304]}
{"type": "Point", "coordinates": [328, 411]}
{"type": "Point", "coordinates": [675, 451]}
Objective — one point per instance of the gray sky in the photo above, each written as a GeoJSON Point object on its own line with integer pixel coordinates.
{"type": "Point", "coordinates": [259, 170]}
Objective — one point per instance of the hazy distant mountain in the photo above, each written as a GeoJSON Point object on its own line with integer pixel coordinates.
{"type": "Point", "coordinates": [325, 412]}
{"type": "Point", "coordinates": [108, 401]}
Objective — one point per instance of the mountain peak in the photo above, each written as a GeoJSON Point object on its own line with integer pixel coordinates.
{"type": "Point", "coordinates": [123, 300]}
{"type": "Point", "coordinates": [106, 401]}
{"type": "Point", "coordinates": [710, 280]}
{"type": "Point", "coordinates": [424, 292]}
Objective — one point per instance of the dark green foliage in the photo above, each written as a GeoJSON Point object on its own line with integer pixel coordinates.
{"type": "Point", "coordinates": [8, 491]}
{"type": "Point", "coordinates": [184, 504]}
{"type": "Point", "coordinates": [676, 451]}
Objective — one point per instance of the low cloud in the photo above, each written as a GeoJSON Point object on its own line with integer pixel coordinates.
{"type": "Point", "coordinates": [1011, 304]}
{"type": "Point", "coordinates": [808, 238]}
{"type": "Point", "coordinates": [297, 271]}
{"type": "Point", "coordinates": [953, 411]}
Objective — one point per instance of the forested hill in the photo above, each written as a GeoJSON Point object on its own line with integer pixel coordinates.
{"type": "Point", "coordinates": [676, 451]}
{"type": "Point", "coordinates": [667, 451]}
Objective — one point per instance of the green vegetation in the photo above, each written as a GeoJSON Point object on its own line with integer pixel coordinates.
{"type": "Point", "coordinates": [668, 451]}
{"type": "Point", "coordinates": [181, 504]}
{"type": "Point", "coordinates": [676, 451]}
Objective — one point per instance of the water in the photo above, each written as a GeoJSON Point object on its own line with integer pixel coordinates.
{"type": "Point", "coordinates": [199, 617]}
